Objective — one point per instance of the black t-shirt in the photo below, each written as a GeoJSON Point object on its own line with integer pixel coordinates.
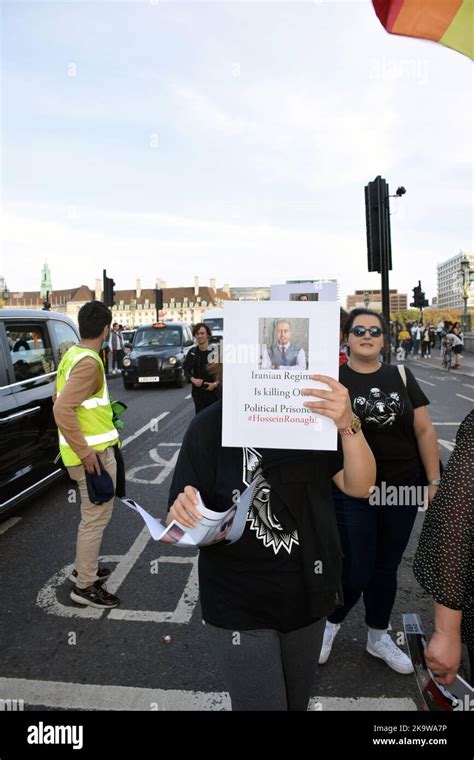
{"type": "Point", "coordinates": [257, 582]}
{"type": "Point", "coordinates": [386, 408]}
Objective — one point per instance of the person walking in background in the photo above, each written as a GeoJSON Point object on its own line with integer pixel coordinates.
{"type": "Point", "coordinates": [374, 532]}
{"type": "Point", "coordinates": [87, 436]}
{"type": "Point", "coordinates": [416, 338]}
{"type": "Point", "coordinates": [196, 367]}
{"type": "Point", "coordinates": [444, 560]}
{"type": "Point", "coordinates": [117, 347]}
{"type": "Point", "coordinates": [425, 343]}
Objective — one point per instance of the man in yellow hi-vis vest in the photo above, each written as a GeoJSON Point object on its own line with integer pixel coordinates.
{"type": "Point", "coordinates": [87, 434]}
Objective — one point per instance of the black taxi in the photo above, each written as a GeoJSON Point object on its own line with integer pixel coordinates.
{"type": "Point", "coordinates": [32, 344]}
{"type": "Point", "coordinates": [157, 354]}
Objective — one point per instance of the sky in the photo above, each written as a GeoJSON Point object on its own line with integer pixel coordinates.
{"type": "Point", "coordinates": [226, 139]}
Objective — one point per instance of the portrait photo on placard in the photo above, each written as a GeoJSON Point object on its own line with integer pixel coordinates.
{"type": "Point", "coordinates": [283, 343]}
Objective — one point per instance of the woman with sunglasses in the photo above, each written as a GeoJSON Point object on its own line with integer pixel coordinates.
{"type": "Point", "coordinates": [374, 532]}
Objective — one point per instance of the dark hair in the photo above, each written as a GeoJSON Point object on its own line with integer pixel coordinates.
{"type": "Point", "coordinates": [198, 327]}
{"type": "Point", "coordinates": [343, 314]}
{"type": "Point", "coordinates": [92, 318]}
{"type": "Point", "coordinates": [363, 312]}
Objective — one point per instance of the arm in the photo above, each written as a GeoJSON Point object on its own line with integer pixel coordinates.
{"type": "Point", "coordinates": [266, 363]}
{"type": "Point", "coordinates": [301, 359]}
{"type": "Point", "coordinates": [188, 364]}
{"type": "Point", "coordinates": [443, 653]}
{"type": "Point", "coordinates": [359, 472]}
{"type": "Point", "coordinates": [427, 443]}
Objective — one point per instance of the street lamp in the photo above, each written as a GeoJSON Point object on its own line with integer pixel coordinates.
{"type": "Point", "coordinates": [467, 275]}
{"type": "Point", "coordinates": [366, 299]}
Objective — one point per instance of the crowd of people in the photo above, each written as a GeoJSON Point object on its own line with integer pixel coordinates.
{"type": "Point", "coordinates": [270, 614]}
{"type": "Point", "coordinates": [418, 339]}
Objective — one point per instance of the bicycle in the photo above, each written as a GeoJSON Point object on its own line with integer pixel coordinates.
{"type": "Point", "coordinates": [448, 355]}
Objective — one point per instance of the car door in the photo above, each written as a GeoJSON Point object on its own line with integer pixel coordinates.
{"type": "Point", "coordinates": [33, 366]}
{"type": "Point", "coordinates": [10, 431]}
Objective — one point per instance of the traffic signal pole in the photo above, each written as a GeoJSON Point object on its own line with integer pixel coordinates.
{"type": "Point", "coordinates": [379, 243]}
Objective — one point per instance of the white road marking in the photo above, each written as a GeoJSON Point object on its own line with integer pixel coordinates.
{"type": "Point", "coordinates": [447, 444]}
{"type": "Point", "coordinates": [167, 465]}
{"type": "Point", "coordinates": [466, 397]}
{"type": "Point", "coordinates": [9, 524]}
{"type": "Point", "coordinates": [143, 429]}
{"type": "Point", "coordinates": [185, 607]}
{"type": "Point", "coordinates": [424, 381]}
{"type": "Point", "coordinates": [188, 396]}
{"type": "Point", "coordinates": [79, 696]}
{"type": "Point", "coordinates": [169, 444]}
{"type": "Point", "coordinates": [127, 561]}
{"type": "Point", "coordinates": [466, 385]}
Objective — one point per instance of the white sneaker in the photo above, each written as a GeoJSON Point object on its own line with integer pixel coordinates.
{"type": "Point", "coordinates": [387, 650]}
{"type": "Point", "coordinates": [330, 633]}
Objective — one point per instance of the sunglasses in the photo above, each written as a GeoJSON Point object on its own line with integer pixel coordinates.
{"type": "Point", "coordinates": [359, 331]}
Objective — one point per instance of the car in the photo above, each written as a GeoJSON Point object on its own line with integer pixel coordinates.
{"type": "Point", "coordinates": [214, 318]}
{"type": "Point", "coordinates": [32, 344]}
{"type": "Point", "coordinates": [157, 354]}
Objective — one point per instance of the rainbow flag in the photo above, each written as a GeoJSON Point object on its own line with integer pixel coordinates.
{"type": "Point", "coordinates": [450, 22]}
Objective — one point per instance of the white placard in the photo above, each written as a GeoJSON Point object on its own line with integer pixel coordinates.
{"type": "Point", "coordinates": [262, 401]}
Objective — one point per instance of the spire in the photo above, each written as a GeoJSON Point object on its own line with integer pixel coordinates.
{"type": "Point", "coordinates": [46, 284]}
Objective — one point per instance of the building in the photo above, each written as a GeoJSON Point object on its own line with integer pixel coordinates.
{"type": "Point", "coordinates": [450, 290]}
{"type": "Point", "coordinates": [133, 307]}
{"type": "Point", "coordinates": [185, 304]}
{"type": "Point", "coordinates": [398, 301]}
{"type": "Point", "coordinates": [250, 294]}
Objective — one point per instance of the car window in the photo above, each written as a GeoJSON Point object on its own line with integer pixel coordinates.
{"type": "Point", "coordinates": [163, 337]}
{"type": "Point", "coordinates": [30, 350]}
{"type": "Point", "coordinates": [64, 334]}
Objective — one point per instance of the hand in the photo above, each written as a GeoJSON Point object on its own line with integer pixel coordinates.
{"type": "Point", "coordinates": [335, 403]}
{"type": "Point", "coordinates": [210, 386]}
{"type": "Point", "coordinates": [197, 381]}
{"type": "Point", "coordinates": [443, 656]}
{"type": "Point", "coordinates": [432, 490]}
{"type": "Point", "coordinates": [91, 464]}
{"type": "Point", "coordinates": [184, 509]}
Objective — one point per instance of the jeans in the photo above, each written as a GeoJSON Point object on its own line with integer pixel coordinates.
{"type": "Point", "coordinates": [373, 539]}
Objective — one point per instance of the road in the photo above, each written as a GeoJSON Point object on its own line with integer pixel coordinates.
{"type": "Point", "coordinates": [55, 655]}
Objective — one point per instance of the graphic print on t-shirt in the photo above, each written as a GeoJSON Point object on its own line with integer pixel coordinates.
{"type": "Point", "coordinates": [380, 409]}
{"type": "Point", "coordinates": [260, 516]}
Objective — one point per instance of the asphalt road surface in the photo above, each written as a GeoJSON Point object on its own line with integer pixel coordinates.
{"type": "Point", "coordinates": [57, 655]}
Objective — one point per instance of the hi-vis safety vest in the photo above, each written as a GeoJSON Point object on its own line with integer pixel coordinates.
{"type": "Point", "coordinates": [94, 414]}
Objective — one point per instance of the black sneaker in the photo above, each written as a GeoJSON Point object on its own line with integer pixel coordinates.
{"type": "Point", "coordinates": [94, 596]}
{"type": "Point", "coordinates": [102, 574]}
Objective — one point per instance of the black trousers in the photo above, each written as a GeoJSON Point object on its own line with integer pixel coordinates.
{"type": "Point", "coordinates": [203, 399]}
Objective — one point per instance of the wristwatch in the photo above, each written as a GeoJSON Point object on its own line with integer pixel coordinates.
{"type": "Point", "coordinates": [434, 482]}
{"type": "Point", "coordinates": [355, 426]}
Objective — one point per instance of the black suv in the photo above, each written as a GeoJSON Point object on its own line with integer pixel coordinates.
{"type": "Point", "coordinates": [32, 344]}
{"type": "Point", "coordinates": [157, 354]}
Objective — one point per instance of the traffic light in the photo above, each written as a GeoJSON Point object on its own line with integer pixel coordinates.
{"type": "Point", "coordinates": [419, 300]}
{"type": "Point", "coordinates": [377, 215]}
{"type": "Point", "coordinates": [109, 293]}
{"type": "Point", "coordinates": [158, 299]}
